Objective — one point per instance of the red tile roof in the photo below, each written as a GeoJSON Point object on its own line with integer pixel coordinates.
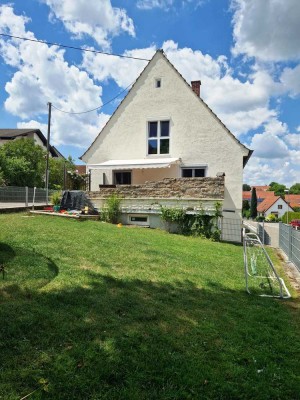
{"type": "Point", "coordinates": [261, 188]}
{"type": "Point", "coordinates": [293, 198]}
{"type": "Point", "coordinates": [259, 194]}
{"type": "Point", "coordinates": [267, 203]}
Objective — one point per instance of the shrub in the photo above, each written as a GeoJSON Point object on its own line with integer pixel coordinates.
{"type": "Point", "coordinates": [291, 216]}
{"type": "Point", "coordinates": [199, 224]}
{"type": "Point", "coordinates": [111, 211]}
{"type": "Point", "coordinates": [56, 198]}
{"type": "Point", "coordinates": [271, 218]}
{"type": "Point", "coordinates": [260, 218]}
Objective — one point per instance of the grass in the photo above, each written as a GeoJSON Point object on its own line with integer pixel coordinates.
{"type": "Point", "coordinates": [93, 311]}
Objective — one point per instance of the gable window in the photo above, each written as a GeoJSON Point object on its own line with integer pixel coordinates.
{"type": "Point", "coordinates": [158, 137]}
{"type": "Point", "coordinates": [193, 172]}
{"type": "Point", "coordinates": [122, 178]}
{"type": "Point", "coordinates": [158, 83]}
{"type": "Point", "coordinates": [279, 206]}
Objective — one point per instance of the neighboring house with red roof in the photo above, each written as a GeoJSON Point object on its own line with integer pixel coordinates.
{"type": "Point", "coordinates": [261, 188]}
{"type": "Point", "coordinates": [260, 194]}
{"type": "Point", "coordinates": [275, 205]}
{"type": "Point", "coordinates": [293, 200]}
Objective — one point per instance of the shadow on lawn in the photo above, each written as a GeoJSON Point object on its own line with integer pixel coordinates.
{"type": "Point", "coordinates": [134, 339]}
{"type": "Point", "coordinates": [24, 268]}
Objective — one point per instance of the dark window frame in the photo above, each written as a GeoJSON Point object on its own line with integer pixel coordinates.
{"type": "Point", "coordinates": [122, 179]}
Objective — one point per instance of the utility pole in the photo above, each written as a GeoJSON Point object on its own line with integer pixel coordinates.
{"type": "Point", "coordinates": [48, 148]}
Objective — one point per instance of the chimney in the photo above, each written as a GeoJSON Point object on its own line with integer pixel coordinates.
{"type": "Point", "coordinates": [196, 87]}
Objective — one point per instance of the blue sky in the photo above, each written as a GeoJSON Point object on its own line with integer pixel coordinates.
{"type": "Point", "coordinates": [246, 54]}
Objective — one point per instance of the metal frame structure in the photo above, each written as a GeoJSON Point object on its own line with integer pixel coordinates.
{"type": "Point", "coordinates": [251, 239]}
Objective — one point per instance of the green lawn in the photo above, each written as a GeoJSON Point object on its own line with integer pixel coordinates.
{"type": "Point", "coordinates": [93, 311]}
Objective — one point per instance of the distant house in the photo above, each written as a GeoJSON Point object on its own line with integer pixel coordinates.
{"type": "Point", "coordinates": [35, 134]}
{"type": "Point", "coordinates": [293, 200]}
{"type": "Point", "coordinates": [264, 188]}
{"type": "Point", "coordinates": [273, 205]}
{"type": "Point", "coordinates": [163, 143]}
{"type": "Point", "coordinates": [260, 194]}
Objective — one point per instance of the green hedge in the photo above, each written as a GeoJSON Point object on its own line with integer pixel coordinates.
{"type": "Point", "coordinates": [291, 216]}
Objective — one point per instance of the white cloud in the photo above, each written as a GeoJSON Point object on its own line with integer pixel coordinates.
{"type": "Point", "coordinates": [293, 139]}
{"type": "Point", "coordinates": [268, 30]}
{"type": "Point", "coordinates": [122, 70]}
{"type": "Point", "coordinates": [290, 79]}
{"type": "Point", "coordinates": [51, 79]}
{"type": "Point", "coordinates": [167, 4]}
{"type": "Point", "coordinates": [33, 124]}
{"type": "Point", "coordinates": [242, 121]}
{"type": "Point", "coordinates": [149, 4]}
{"type": "Point", "coordinates": [276, 155]}
{"type": "Point", "coordinates": [267, 145]}
{"type": "Point", "coordinates": [261, 171]}
{"type": "Point", "coordinates": [98, 19]}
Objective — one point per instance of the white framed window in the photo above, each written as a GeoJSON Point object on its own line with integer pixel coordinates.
{"type": "Point", "coordinates": [159, 137]}
{"type": "Point", "coordinates": [193, 172]}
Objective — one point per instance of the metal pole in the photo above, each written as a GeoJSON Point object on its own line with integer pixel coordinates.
{"type": "Point", "coordinates": [65, 176]}
{"type": "Point", "coordinates": [48, 148]}
{"type": "Point", "coordinates": [26, 196]}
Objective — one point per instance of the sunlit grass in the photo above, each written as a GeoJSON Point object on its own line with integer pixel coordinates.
{"type": "Point", "coordinates": [93, 311]}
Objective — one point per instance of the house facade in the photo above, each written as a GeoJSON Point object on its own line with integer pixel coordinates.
{"type": "Point", "coordinates": [35, 134]}
{"type": "Point", "coordinates": [164, 130]}
{"type": "Point", "coordinates": [273, 205]}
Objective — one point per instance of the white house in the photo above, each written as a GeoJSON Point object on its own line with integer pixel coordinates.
{"type": "Point", "coordinates": [163, 129]}
{"type": "Point", "coordinates": [273, 205]}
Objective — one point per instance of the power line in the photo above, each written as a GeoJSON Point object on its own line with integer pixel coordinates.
{"type": "Point", "coordinates": [73, 47]}
{"type": "Point", "coordinates": [94, 109]}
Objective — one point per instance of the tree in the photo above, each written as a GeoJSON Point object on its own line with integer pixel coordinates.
{"type": "Point", "coordinates": [58, 167]}
{"type": "Point", "coordinates": [246, 187]}
{"type": "Point", "coordinates": [295, 189]}
{"type": "Point", "coordinates": [253, 204]}
{"type": "Point", "coordinates": [277, 188]}
{"type": "Point", "coordinates": [22, 163]}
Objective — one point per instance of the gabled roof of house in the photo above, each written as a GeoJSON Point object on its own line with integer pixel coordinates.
{"type": "Point", "coordinates": [11, 134]}
{"type": "Point", "coordinates": [267, 203]}
{"type": "Point", "coordinates": [246, 158]}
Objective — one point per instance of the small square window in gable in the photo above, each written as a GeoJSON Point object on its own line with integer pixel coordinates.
{"type": "Point", "coordinates": [158, 83]}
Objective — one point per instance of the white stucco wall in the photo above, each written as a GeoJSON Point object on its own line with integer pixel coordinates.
{"type": "Point", "coordinates": [196, 136]}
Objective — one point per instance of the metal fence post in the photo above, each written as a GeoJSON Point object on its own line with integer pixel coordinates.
{"type": "Point", "coordinates": [26, 196]}
{"type": "Point", "coordinates": [290, 242]}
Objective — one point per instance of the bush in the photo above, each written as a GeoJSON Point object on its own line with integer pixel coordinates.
{"type": "Point", "coordinates": [55, 198]}
{"type": "Point", "coordinates": [291, 216]}
{"type": "Point", "coordinates": [260, 218]}
{"type": "Point", "coordinates": [271, 218]}
{"type": "Point", "coordinates": [111, 211]}
{"type": "Point", "coordinates": [246, 214]}
{"type": "Point", "coordinates": [193, 224]}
